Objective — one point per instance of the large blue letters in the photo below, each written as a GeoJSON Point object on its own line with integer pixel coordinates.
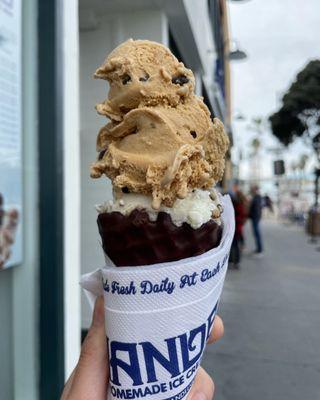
{"type": "Point", "coordinates": [187, 345]}
{"type": "Point", "coordinates": [131, 369]}
{"type": "Point", "coordinates": [151, 354]}
{"type": "Point", "coordinates": [146, 357]}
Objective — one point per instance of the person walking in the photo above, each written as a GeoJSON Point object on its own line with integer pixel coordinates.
{"type": "Point", "coordinates": [255, 212]}
{"type": "Point", "coordinates": [241, 216]}
{"type": "Point", "coordinates": [240, 210]}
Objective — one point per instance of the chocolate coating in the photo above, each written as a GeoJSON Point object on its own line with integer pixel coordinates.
{"type": "Point", "coordinates": [135, 240]}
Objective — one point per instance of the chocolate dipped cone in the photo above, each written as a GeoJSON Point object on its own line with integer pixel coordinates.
{"type": "Point", "coordinates": [135, 240]}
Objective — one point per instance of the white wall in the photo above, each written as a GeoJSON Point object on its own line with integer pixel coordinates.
{"type": "Point", "coordinates": [199, 19]}
{"type": "Point", "coordinates": [198, 14]}
{"type": "Point", "coordinates": [95, 43]}
{"type": "Point", "coordinates": [93, 46]}
{"type": "Point", "coordinates": [25, 288]}
{"type": "Point", "coordinates": [69, 24]}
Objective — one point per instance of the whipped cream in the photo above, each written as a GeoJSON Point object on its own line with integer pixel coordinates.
{"type": "Point", "coordinates": [197, 208]}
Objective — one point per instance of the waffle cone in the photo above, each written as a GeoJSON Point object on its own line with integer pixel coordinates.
{"type": "Point", "coordinates": [135, 240]}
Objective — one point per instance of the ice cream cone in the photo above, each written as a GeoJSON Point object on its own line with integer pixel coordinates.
{"type": "Point", "coordinates": [163, 153]}
{"type": "Point", "coordinates": [135, 240]}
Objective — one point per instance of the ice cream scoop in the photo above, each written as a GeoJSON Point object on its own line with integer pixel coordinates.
{"type": "Point", "coordinates": [141, 72]}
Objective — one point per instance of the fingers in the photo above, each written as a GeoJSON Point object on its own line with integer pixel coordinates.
{"type": "Point", "coordinates": [203, 387]}
{"type": "Point", "coordinates": [217, 330]}
{"type": "Point", "coordinates": [91, 374]}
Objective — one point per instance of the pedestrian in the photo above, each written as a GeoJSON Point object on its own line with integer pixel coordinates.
{"type": "Point", "coordinates": [255, 212]}
{"type": "Point", "coordinates": [240, 210]}
{"type": "Point", "coordinates": [241, 216]}
{"type": "Point", "coordinates": [268, 203]}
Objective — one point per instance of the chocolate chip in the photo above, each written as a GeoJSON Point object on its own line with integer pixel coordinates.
{"type": "Point", "coordinates": [193, 134]}
{"type": "Point", "coordinates": [125, 190]}
{"type": "Point", "coordinates": [180, 80]}
{"type": "Point", "coordinates": [125, 79]}
{"type": "Point", "coordinates": [101, 154]}
{"type": "Point", "coordinates": [124, 109]}
{"type": "Point", "coordinates": [144, 78]}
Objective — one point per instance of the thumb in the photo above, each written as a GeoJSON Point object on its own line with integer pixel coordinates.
{"type": "Point", "coordinates": [92, 372]}
{"type": "Point", "coordinates": [203, 387]}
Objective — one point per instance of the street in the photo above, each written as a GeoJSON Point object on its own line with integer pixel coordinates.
{"type": "Point", "coordinates": [271, 312]}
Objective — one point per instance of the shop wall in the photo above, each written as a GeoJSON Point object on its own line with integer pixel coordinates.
{"type": "Point", "coordinates": [202, 35]}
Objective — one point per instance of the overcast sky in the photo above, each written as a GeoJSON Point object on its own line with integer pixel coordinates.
{"type": "Point", "coordinates": [280, 37]}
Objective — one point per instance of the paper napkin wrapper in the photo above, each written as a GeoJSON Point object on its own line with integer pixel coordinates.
{"type": "Point", "coordinates": [159, 317]}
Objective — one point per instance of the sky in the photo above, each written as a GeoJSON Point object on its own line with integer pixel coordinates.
{"type": "Point", "coordinates": [279, 37]}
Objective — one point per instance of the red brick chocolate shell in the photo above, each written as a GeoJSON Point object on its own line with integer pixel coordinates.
{"type": "Point", "coordinates": [135, 240]}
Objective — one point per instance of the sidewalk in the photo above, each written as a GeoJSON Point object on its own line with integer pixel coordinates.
{"type": "Point", "coordinates": [271, 311]}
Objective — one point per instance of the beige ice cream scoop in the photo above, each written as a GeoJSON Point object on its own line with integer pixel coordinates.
{"type": "Point", "coordinates": [161, 140]}
{"type": "Point", "coordinates": [141, 73]}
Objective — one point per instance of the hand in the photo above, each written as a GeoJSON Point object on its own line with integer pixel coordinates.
{"type": "Point", "coordinates": [89, 380]}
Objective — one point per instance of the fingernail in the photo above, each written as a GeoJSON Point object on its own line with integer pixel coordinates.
{"type": "Point", "coordinates": [98, 313]}
{"type": "Point", "coordinates": [199, 396]}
